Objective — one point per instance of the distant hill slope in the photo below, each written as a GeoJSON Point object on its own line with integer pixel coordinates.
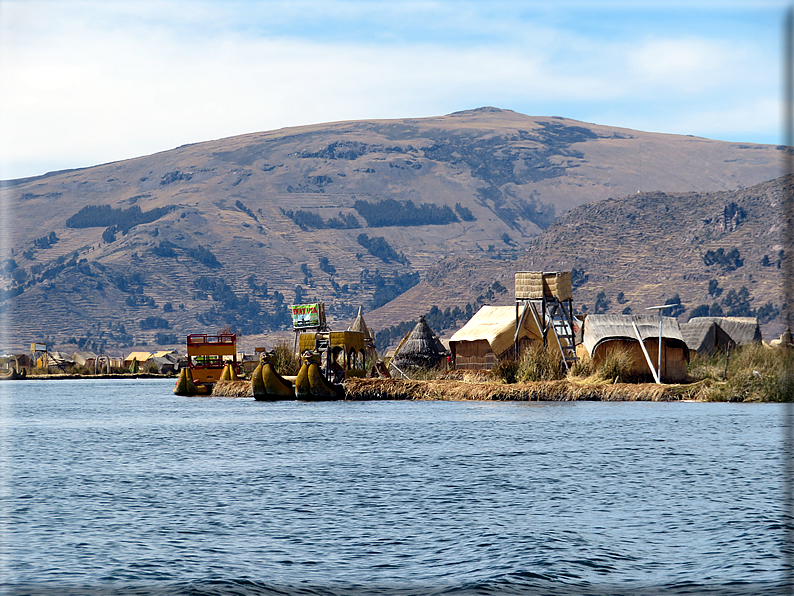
{"type": "Point", "coordinates": [229, 232]}
{"type": "Point", "coordinates": [719, 250]}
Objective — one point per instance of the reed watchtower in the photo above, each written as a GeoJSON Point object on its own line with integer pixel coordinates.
{"type": "Point", "coordinates": [548, 297]}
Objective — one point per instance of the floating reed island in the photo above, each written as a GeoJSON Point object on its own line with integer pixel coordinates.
{"type": "Point", "coordinates": [454, 390]}
{"type": "Point", "coordinates": [536, 350]}
{"type": "Point", "coordinates": [560, 390]}
{"type": "Point", "coordinates": [756, 373]}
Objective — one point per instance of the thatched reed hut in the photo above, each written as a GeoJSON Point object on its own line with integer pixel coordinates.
{"type": "Point", "coordinates": [360, 325]}
{"type": "Point", "coordinates": [420, 349]}
{"type": "Point", "coordinates": [490, 336]}
{"type": "Point", "coordinates": [706, 335]}
{"type": "Point", "coordinates": [603, 333]}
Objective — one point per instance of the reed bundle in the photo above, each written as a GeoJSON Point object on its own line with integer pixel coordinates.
{"type": "Point", "coordinates": [232, 389]}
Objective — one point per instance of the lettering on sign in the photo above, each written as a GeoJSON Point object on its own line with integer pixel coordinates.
{"type": "Point", "coordinates": [305, 316]}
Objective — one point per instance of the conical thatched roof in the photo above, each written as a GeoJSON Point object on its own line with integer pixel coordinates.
{"type": "Point", "coordinates": [421, 349]}
{"type": "Point", "coordinates": [360, 325]}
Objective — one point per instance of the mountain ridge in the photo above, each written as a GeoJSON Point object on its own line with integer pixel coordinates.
{"type": "Point", "coordinates": [254, 222]}
{"type": "Point", "coordinates": [703, 249]}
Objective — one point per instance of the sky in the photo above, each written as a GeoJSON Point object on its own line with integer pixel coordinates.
{"type": "Point", "coordinates": [90, 82]}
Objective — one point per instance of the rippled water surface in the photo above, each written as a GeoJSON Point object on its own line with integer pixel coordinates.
{"type": "Point", "coordinates": [122, 487]}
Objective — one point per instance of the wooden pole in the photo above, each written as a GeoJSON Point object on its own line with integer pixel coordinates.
{"type": "Point", "coordinates": [647, 355]}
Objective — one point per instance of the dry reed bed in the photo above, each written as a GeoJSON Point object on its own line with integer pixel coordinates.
{"type": "Point", "coordinates": [396, 389]}
{"type": "Point", "coordinates": [233, 389]}
{"type": "Point", "coordinates": [564, 390]}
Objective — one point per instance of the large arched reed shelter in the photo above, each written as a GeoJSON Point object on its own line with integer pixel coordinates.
{"type": "Point", "coordinates": [602, 333]}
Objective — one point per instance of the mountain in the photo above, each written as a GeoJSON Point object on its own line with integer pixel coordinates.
{"type": "Point", "coordinates": [229, 232]}
{"type": "Point", "coordinates": [716, 253]}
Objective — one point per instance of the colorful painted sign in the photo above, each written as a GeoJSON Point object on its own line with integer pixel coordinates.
{"type": "Point", "coordinates": [307, 316]}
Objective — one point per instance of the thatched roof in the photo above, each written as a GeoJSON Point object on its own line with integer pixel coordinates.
{"type": "Point", "coordinates": [497, 326]}
{"type": "Point", "coordinates": [141, 357]}
{"type": "Point", "coordinates": [58, 356]}
{"type": "Point", "coordinates": [163, 363]}
{"type": "Point", "coordinates": [704, 336]}
{"type": "Point", "coordinates": [420, 349]}
{"type": "Point", "coordinates": [742, 330]}
{"type": "Point", "coordinates": [360, 325]}
{"type": "Point", "coordinates": [601, 328]}
{"type": "Point", "coordinates": [81, 357]}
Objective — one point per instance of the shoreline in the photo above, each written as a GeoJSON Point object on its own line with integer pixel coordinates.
{"type": "Point", "coordinates": [75, 376]}
{"type": "Point", "coordinates": [453, 390]}
{"type": "Point", "coordinates": [458, 390]}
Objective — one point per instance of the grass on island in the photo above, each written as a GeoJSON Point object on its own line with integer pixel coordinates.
{"type": "Point", "coordinates": [754, 373]}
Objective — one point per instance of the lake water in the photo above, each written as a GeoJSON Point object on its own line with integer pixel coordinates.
{"type": "Point", "coordinates": [121, 487]}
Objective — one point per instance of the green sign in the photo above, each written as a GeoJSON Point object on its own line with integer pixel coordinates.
{"type": "Point", "coordinates": [307, 316]}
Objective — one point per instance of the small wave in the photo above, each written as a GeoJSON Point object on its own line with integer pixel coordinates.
{"type": "Point", "coordinates": [516, 584]}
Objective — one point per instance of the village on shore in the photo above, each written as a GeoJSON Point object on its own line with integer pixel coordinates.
{"type": "Point", "coordinates": [534, 349]}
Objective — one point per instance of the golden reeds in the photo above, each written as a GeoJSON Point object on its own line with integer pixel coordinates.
{"type": "Point", "coordinates": [284, 360]}
{"type": "Point", "coordinates": [560, 390]}
{"type": "Point", "coordinates": [232, 389]}
{"type": "Point", "coordinates": [615, 365]}
{"type": "Point", "coordinates": [755, 373]}
{"type": "Point", "coordinates": [539, 363]}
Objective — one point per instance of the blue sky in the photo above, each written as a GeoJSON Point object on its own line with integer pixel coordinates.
{"type": "Point", "coordinates": [91, 82]}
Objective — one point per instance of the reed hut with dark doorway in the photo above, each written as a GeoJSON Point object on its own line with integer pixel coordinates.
{"type": "Point", "coordinates": [603, 333]}
{"type": "Point", "coordinates": [421, 348]}
{"type": "Point", "coordinates": [707, 335]}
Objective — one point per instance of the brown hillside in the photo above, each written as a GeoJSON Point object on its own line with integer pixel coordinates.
{"type": "Point", "coordinates": [243, 221]}
{"type": "Point", "coordinates": [649, 246]}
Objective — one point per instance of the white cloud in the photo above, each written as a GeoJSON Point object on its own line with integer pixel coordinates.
{"type": "Point", "coordinates": [86, 83]}
{"type": "Point", "coordinates": [692, 65]}
{"type": "Point", "coordinates": [762, 114]}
